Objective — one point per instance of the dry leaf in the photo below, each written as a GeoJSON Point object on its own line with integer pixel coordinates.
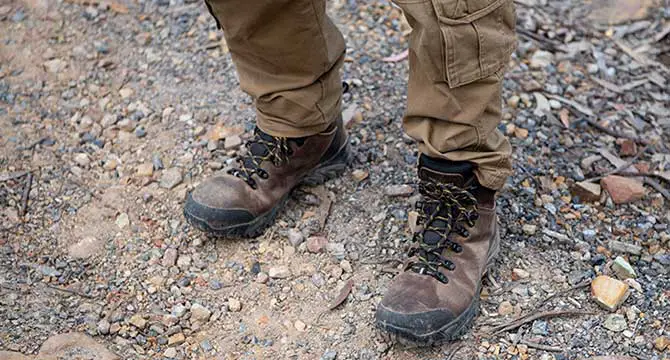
{"type": "Point", "coordinates": [344, 293]}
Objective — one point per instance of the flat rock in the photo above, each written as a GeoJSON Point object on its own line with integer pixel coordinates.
{"type": "Point", "coordinates": [505, 308]}
{"type": "Point", "coordinates": [169, 257]}
{"type": "Point", "coordinates": [73, 346]}
{"type": "Point", "coordinates": [200, 313]}
{"type": "Point", "coordinates": [145, 169]}
{"type": "Point", "coordinates": [623, 269]}
{"type": "Point", "coordinates": [624, 247]}
{"type": "Point", "coordinates": [587, 191]}
{"type": "Point", "coordinates": [518, 274]}
{"type": "Point", "coordinates": [176, 339]}
{"type": "Point", "coordinates": [529, 229]}
{"type": "Point", "coordinates": [232, 142]}
{"type": "Point", "coordinates": [279, 272]}
{"type": "Point", "coordinates": [609, 292]}
{"type": "Point", "coordinates": [88, 246]}
{"type": "Point", "coordinates": [55, 66]}
{"type": "Point", "coordinates": [234, 305]}
{"type": "Point", "coordinates": [82, 160]}
{"type": "Point", "coordinates": [398, 190]}
{"type": "Point", "coordinates": [540, 59]}
{"type": "Point", "coordinates": [295, 237]}
{"type": "Point", "coordinates": [171, 178]}
{"type": "Point", "coordinates": [623, 189]}
{"type": "Point", "coordinates": [615, 322]}
{"type": "Point", "coordinates": [316, 244]}
{"type": "Point", "coordinates": [138, 321]}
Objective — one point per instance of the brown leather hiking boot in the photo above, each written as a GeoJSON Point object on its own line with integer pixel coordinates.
{"type": "Point", "coordinates": [437, 296]}
{"type": "Point", "coordinates": [243, 201]}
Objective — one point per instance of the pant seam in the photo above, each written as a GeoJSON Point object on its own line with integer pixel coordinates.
{"type": "Point", "coordinates": [325, 66]}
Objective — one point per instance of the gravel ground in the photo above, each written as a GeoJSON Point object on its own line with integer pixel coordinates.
{"type": "Point", "coordinates": [110, 112]}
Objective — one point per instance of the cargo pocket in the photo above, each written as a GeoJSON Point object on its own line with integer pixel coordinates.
{"type": "Point", "coordinates": [478, 36]}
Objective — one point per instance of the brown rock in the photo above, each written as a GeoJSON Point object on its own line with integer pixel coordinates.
{"type": "Point", "coordinates": [71, 346]}
{"type": "Point", "coordinates": [505, 308]}
{"type": "Point", "coordinates": [609, 292]}
{"type": "Point", "coordinates": [176, 339]}
{"type": "Point", "coordinates": [628, 148]}
{"type": "Point", "coordinates": [521, 133]}
{"type": "Point", "coordinates": [518, 274]}
{"type": "Point", "coordinates": [622, 189]}
{"type": "Point", "coordinates": [661, 343]}
{"type": "Point", "coordinates": [316, 244]}
{"type": "Point", "coordinates": [359, 175]}
{"type": "Point", "coordinates": [587, 191]}
{"type": "Point", "coordinates": [146, 169]}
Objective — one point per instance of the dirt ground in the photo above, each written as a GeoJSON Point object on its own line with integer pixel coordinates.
{"type": "Point", "coordinates": [110, 112]}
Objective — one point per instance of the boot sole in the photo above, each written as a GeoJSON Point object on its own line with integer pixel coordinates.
{"type": "Point", "coordinates": [325, 171]}
{"type": "Point", "coordinates": [450, 331]}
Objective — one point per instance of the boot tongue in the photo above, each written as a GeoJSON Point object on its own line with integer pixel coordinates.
{"type": "Point", "coordinates": [446, 172]}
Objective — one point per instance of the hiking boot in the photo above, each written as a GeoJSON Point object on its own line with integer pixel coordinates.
{"type": "Point", "coordinates": [436, 297]}
{"type": "Point", "coordinates": [244, 201]}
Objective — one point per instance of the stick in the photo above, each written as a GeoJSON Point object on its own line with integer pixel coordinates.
{"type": "Point", "coordinates": [637, 139]}
{"type": "Point", "coordinates": [529, 318]}
{"type": "Point", "coordinates": [623, 167]}
{"type": "Point", "coordinates": [582, 284]}
{"type": "Point", "coordinates": [26, 195]}
{"type": "Point", "coordinates": [653, 183]}
{"type": "Point", "coordinates": [542, 347]}
{"type": "Point", "coordinates": [12, 176]}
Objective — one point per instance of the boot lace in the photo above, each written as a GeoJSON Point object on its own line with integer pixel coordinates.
{"type": "Point", "coordinates": [446, 208]}
{"type": "Point", "coordinates": [262, 147]}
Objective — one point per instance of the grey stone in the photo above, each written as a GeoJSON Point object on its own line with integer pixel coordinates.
{"type": "Point", "coordinates": [295, 237]}
{"type": "Point", "coordinates": [329, 355]}
{"type": "Point", "coordinates": [624, 247]}
{"type": "Point", "coordinates": [170, 257]}
{"type": "Point", "coordinates": [615, 322]}
{"type": "Point", "coordinates": [200, 313]}
{"type": "Point", "coordinates": [171, 178]}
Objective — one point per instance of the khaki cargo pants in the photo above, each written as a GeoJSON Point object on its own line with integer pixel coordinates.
{"type": "Point", "coordinates": [288, 54]}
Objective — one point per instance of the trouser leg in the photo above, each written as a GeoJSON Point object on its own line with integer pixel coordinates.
{"type": "Point", "coordinates": [458, 51]}
{"type": "Point", "coordinates": [288, 55]}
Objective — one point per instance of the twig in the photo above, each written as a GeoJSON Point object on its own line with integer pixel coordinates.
{"type": "Point", "coordinates": [533, 345]}
{"type": "Point", "coordinates": [582, 284]}
{"type": "Point", "coordinates": [12, 175]}
{"type": "Point", "coordinates": [608, 131]}
{"type": "Point", "coordinates": [623, 167]}
{"type": "Point", "coordinates": [548, 43]}
{"type": "Point", "coordinates": [643, 174]}
{"type": "Point", "coordinates": [529, 318]}
{"type": "Point", "coordinates": [26, 194]}
{"type": "Point", "coordinates": [655, 184]}
{"type": "Point", "coordinates": [69, 291]}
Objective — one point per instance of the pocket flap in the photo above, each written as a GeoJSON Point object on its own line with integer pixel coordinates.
{"type": "Point", "coordinates": [474, 16]}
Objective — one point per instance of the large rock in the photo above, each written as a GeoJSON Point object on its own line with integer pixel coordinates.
{"type": "Point", "coordinates": [622, 189]}
{"type": "Point", "coordinates": [609, 292]}
{"type": "Point", "coordinates": [74, 346]}
{"type": "Point", "coordinates": [587, 191]}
